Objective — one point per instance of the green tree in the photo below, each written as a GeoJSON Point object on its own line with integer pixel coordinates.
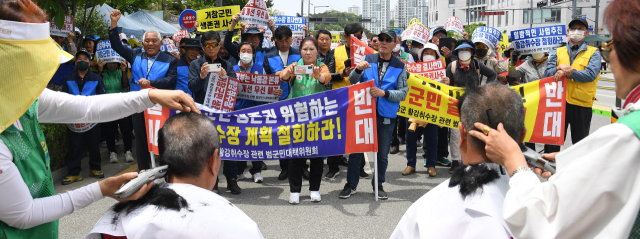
{"type": "Point", "coordinates": [391, 23]}
{"type": "Point", "coordinates": [472, 28]}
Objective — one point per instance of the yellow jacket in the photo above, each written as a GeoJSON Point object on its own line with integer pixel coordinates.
{"type": "Point", "coordinates": [341, 55]}
{"type": "Point", "coordinates": [579, 93]}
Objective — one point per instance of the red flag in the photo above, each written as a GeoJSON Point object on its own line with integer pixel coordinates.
{"type": "Point", "coordinates": [359, 49]}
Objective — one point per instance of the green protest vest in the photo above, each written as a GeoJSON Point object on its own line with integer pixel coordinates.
{"type": "Point", "coordinates": [632, 120]}
{"type": "Point", "coordinates": [306, 85]}
{"type": "Point", "coordinates": [31, 157]}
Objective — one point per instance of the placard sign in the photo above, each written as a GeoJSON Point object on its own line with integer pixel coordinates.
{"type": "Point", "coordinates": [188, 20]}
{"type": "Point", "coordinates": [255, 12]}
{"type": "Point", "coordinates": [66, 28]}
{"type": "Point", "coordinates": [106, 54]}
{"type": "Point", "coordinates": [539, 39]}
{"type": "Point", "coordinates": [217, 19]}
{"type": "Point", "coordinates": [295, 24]}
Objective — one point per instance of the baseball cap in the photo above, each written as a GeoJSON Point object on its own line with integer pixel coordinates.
{"type": "Point", "coordinates": [389, 33]}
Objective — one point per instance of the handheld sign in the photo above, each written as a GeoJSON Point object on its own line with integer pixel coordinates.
{"type": "Point", "coordinates": [188, 20]}
{"type": "Point", "coordinates": [295, 24]}
{"type": "Point", "coordinates": [539, 39]}
{"type": "Point", "coordinates": [255, 12]}
{"type": "Point", "coordinates": [106, 54]}
{"type": "Point", "coordinates": [217, 19]}
{"type": "Point", "coordinates": [454, 24]}
{"type": "Point", "coordinates": [66, 28]}
{"type": "Point", "coordinates": [417, 32]}
{"type": "Point", "coordinates": [487, 35]}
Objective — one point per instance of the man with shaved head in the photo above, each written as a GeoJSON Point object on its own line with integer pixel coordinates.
{"type": "Point", "coordinates": [469, 204]}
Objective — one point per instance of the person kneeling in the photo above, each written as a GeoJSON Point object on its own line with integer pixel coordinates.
{"type": "Point", "coordinates": [185, 207]}
{"type": "Point", "coordinates": [469, 204]}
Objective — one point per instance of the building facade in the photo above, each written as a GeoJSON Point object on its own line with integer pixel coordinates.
{"type": "Point", "coordinates": [517, 13]}
{"type": "Point", "coordinates": [379, 11]}
{"type": "Point", "coordinates": [354, 9]}
{"type": "Point", "coordinates": [409, 9]}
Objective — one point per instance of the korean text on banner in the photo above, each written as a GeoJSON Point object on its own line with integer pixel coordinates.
{"type": "Point", "coordinates": [255, 12]}
{"type": "Point", "coordinates": [295, 24]}
{"type": "Point", "coordinates": [154, 120]}
{"type": "Point", "coordinates": [454, 24]}
{"type": "Point", "coordinates": [66, 28]}
{"type": "Point", "coordinates": [106, 54]}
{"type": "Point", "coordinates": [188, 20]}
{"type": "Point", "coordinates": [487, 35]}
{"type": "Point", "coordinates": [504, 42]}
{"type": "Point", "coordinates": [417, 32]}
{"type": "Point", "coordinates": [336, 122]}
{"type": "Point", "coordinates": [433, 70]}
{"type": "Point", "coordinates": [221, 93]}
{"type": "Point", "coordinates": [539, 39]}
{"type": "Point", "coordinates": [169, 46]}
{"type": "Point", "coordinates": [216, 19]}
{"type": "Point", "coordinates": [359, 50]}
{"type": "Point", "coordinates": [258, 87]}
{"type": "Point", "coordinates": [436, 103]}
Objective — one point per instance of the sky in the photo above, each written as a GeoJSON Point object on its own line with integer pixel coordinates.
{"type": "Point", "coordinates": [291, 7]}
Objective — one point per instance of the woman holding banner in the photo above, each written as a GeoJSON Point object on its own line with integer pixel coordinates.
{"type": "Point", "coordinates": [302, 85]}
{"type": "Point", "coordinates": [595, 191]}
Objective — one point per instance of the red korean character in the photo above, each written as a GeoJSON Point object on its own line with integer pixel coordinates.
{"type": "Point", "coordinates": [218, 96]}
{"type": "Point", "coordinates": [414, 98]}
{"type": "Point", "coordinates": [452, 107]}
{"type": "Point", "coordinates": [433, 98]}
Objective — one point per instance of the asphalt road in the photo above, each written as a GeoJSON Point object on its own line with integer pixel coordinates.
{"type": "Point", "coordinates": [267, 204]}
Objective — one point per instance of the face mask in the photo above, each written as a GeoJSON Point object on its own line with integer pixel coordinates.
{"type": "Point", "coordinates": [537, 56]}
{"type": "Point", "coordinates": [246, 58]}
{"type": "Point", "coordinates": [576, 35]}
{"type": "Point", "coordinates": [397, 48]}
{"type": "Point", "coordinates": [481, 52]}
{"type": "Point", "coordinates": [464, 55]}
{"type": "Point", "coordinates": [415, 50]}
{"type": "Point", "coordinates": [428, 58]}
{"type": "Point", "coordinates": [82, 65]}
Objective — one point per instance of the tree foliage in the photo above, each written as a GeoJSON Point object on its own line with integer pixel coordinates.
{"type": "Point", "coordinates": [204, 4]}
{"type": "Point", "coordinates": [472, 28]}
{"type": "Point", "coordinates": [392, 23]}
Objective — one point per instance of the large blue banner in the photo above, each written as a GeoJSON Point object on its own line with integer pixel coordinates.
{"type": "Point", "coordinates": [487, 35]}
{"type": "Point", "coordinates": [335, 122]}
{"type": "Point", "coordinates": [539, 39]}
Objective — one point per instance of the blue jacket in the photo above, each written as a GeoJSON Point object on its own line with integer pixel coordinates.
{"type": "Point", "coordinates": [91, 84]}
{"type": "Point", "coordinates": [163, 72]}
{"type": "Point", "coordinates": [182, 82]}
{"type": "Point", "coordinates": [197, 85]}
{"type": "Point", "coordinates": [62, 72]}
{"type": "Point", "coordinates": [590, 72]}
{"type": "Point", "coordinates": [246, 103]}
{"type": "Point", "coordinates": [274, 64]}
{"type": "Point", "coordinates": [234, 51]}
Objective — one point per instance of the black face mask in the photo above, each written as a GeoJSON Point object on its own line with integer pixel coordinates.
{"type": "Point", "coordinates": [481, 52]}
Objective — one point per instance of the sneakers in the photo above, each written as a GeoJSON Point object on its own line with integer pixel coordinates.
{"type": "Point", "coordinates": [408, 170]}
{"type": "Point", "coordinates": [443, 161]}
{"type": "Point", "coordinates": [394, 149]}
{"type": "Point", "coordinates": [294, 198]}
{"type": "Point", "coordinates": [332, 174]}
{"type": "Point", "coordinates": [257, 177]}
{"type": "Point", "coordinates": [71, 179]}
{"type": "Point", "coordinates": [128, 157]}
{"type": "Point", "coordinates": [96, 173]}
{"type": "Point", "coordinates": [315, 196]}
{"type": "Point", "coordinates": [283, 175]}
{"type": "Point", "coordinates": [113, 157]}
{"type": "Point", "coordinates": [454, 165]}
{"type": "Point", "coordinates": [232, 186]}
{"type": "Point", "coordinates": [240, 177]}
{"type": "Point", "coordinates": [382, 195]}
{"type": "Point", "coordinates": [363, 174]}
{"type": "Point", "coordinates": [432, 171]}
{"type": "Point", "coordinates": [347, 192]}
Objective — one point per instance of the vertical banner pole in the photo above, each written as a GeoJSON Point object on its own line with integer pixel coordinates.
{"type": "Point", "coordinates": [375, 173]}
{"type": "Point", "coordinates": [153, 160]}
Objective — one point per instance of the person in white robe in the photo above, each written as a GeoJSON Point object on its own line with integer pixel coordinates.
{"type": "Point", "coordinates": [469, 204]}
{"type": "Point", "coordinates": [595, 192]}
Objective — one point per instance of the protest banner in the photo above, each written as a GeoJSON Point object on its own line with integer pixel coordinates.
{"type": "Point", "coordinates": [221, 93]}
{"type": "Point", "coordinates": [359, 50]}
{"type": "Point", "coordinates": [416, 32]}
{"type": "Point", "coordinates": [295, 24]}
{"type": "Point", "coordinates": [258, 87]}
{"type": "Point", "coordinates": [433, 70]}
{"type": "Point", "coordinates": [504, 42]}
{"type": "Point", "coordinates": [169, 46]}
{"type": "Point", "coordinates": [134, 43]}
{"type": "Point", "coordinates": [335, 38]}
{"type": "Point", "coordinates": [173, 19]}
{"type": "Point", "coordinates": [66, 28]}
{"type": "Point", "coordinates": [188, 20]}
{"type": "Point", "coordinates": [155, 117]}
{"type": "Point", "coordinates": [436, 103]}
{"type": "Point", "coordinates": [487, 35]}
{"type": "Point", "coordinates": [255, 12]}
{"type": "Point", "coordinates": [106, 54]}
{"type": "Point", "coordinates": [178, 36]}
{"type": "Point", "coordinates": [539, 39]}
{"type": "Point", "coordinates": [335, 45]}
{"type": "Point", "coordinates": [335, 122]}
{"type": "Point", "coordinates": [217, 19]}
{"type": "Point", "coordinates": [454, 24]}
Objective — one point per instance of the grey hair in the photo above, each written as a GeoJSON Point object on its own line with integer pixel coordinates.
{"type": "Point", "coordinates": [186, 142]}
{"type": "Point", "coordinates": [151, 31]}
{"type": "Point", "coordinates": [503, 105]}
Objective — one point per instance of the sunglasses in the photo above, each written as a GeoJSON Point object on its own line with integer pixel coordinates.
{"type": "Point", "coordinates": [384, 39]}
{"type": "Point", "coordinates": [374, 41]}
{"type": "Point", "coordinates": [605, 50]}
{"type": "Point", "coordinates": [211, 45]}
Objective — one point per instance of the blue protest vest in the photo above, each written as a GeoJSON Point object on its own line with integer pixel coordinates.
{"type": "Point", "coordinates": [182, 82]}
{"type": "Point", "coordinates": [245, 103]}
{"type": "Point", "coordinates": [275, 62]}
{"type": "Point", "coordinates": [139, 70]}
{"type": "Point", "coordinates": [386, 108]}
{"type": "Point", "coordinates": [88, 89]}
{"type": "Point", "coordinates": [259, 59]}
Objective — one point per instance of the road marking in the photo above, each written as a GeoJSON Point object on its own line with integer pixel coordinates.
{"type": "Point", "coordinates": [133, 168]}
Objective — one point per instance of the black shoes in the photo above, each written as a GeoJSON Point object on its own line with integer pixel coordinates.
{"type": "Point", "coordinates": [283, 175]}
{"type": "Point", "coordinates": [403, 141]}
{"type": "Point", "coordinates": [394, 149]}
{"type": "Point", "coordinates": [232, 186]}
{"type": "Point", "coordinates": [363, 174]}
{"type": "Point", "coordinates": [332, 174]}
{"type": "Point", "coordinates": [347, 192]}
{"type": "Point", "coordinates": [382, 195]}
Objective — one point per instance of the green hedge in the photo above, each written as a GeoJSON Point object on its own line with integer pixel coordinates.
{"type": "Point", "coordinates": [58, 143]}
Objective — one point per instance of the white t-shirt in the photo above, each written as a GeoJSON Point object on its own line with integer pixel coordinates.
{"type": "Point", "coordinates": [209, 216]}
{"type": "Point", "coordinates": [284, 55]}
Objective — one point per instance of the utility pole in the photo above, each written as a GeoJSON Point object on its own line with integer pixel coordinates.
{"type": "Point", "coordinates": [469, 16]}
{"type": "Point", "coordinates": [531, 14]}
{"type": "Point", "coordinates": [302, 8]}
{"type": "Point", "coordinates": [218, 3]}
{"type": "Point", "coordinates": [574, 10]}
{"type": "Point", "coordinates": [164, 9]}
{"type": "Point", "coordinates": [595, 30]}
{"type": "Point", "coordinates": [308, 12]}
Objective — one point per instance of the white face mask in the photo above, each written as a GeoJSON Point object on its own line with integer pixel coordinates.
{"type": "Point", "coordinates": [428, 58]}
{"type": "Point", "coordinates": [576, 35]}
{"type": "Point", "coordinates": [397, 48]}
{"type": "Point", "coordinates": [464, 55]}
{"type": "Point", "coordinates": [246, 58]}
{"type": "Point", "coordinates": [537, 56]}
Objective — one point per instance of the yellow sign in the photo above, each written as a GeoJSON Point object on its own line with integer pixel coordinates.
{"type": "Point", "coordinates": [415, 21]}
{"type": "Point", "coordinates": [216, 19]}
{"type": "Point", "coordinates": [436, 103]}
{"type": "Point", "coordinates": [504, 43]}
{"type": "Point", "coordinates": [335, 38]}
{"type": "Point", "coordinates": [236, 38]}
{"type": "Point", "coordinates": [134, 43]}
